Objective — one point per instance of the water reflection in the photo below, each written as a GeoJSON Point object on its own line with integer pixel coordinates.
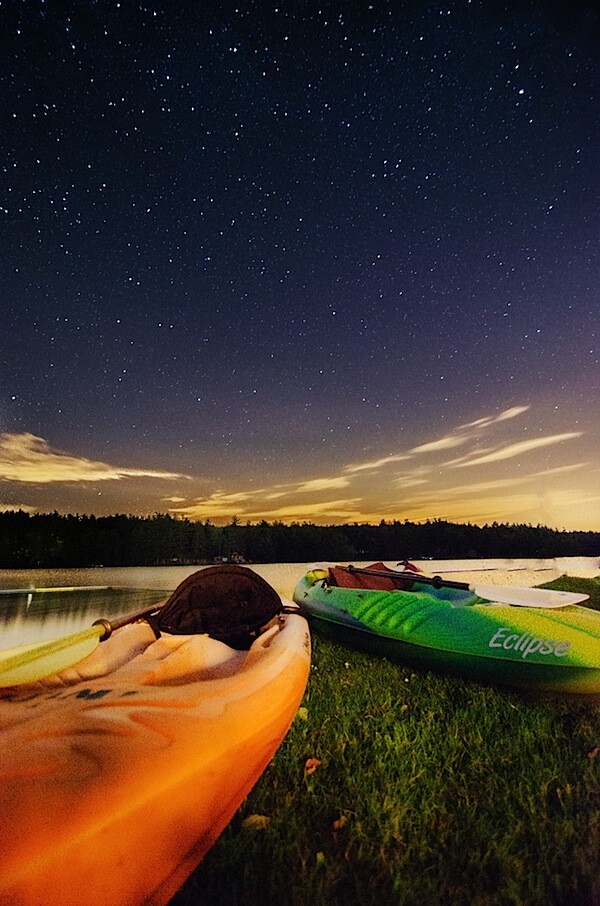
{"type": "Point", "coordinates": [39, 616]}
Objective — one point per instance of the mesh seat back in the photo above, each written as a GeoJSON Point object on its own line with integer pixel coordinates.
{"type": "Point", "coordinates": [228, 602]}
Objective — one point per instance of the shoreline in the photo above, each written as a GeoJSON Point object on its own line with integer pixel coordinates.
{"type": "Point", "coordinates": [525, 573]}
{"type": "Point", "coordinates": [284, 576]}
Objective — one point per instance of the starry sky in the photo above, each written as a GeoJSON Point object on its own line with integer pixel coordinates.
{"type": "Point", "coordinates": [305, 261]}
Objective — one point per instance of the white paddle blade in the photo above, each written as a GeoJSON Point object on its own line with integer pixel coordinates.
{"type": "Point", "coordinates": [29, 663]}
{"type": "Point", "coordinates": [527, 597]}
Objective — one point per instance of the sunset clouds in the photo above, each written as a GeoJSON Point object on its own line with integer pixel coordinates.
{"type": "Point", "coordinates": [418, 482]}
{"type": "Point", "coordinates": [460, 437]}
{"type": "Point", "coordinates": [31, 460]}
{"type": "Point", "coordinates": [516, 472]}
{"type": "Point", "coordinates": [512, 450]}
{"type": "Point", "coordinates": [259, 504]}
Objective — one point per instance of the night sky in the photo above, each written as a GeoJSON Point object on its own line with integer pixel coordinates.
{"type": "Point", "coordinates": [301, 261]}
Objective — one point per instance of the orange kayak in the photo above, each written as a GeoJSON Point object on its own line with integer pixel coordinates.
{"type": "Point", "coordinates": [115, 781]}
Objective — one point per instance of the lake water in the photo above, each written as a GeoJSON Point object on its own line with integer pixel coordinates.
{"type": "Point", "coordinates": [38, 616]}
{"type": "Point", "coordinates": [102, 592]}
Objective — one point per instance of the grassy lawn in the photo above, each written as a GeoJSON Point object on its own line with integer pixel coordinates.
{"type": "Point", "coordinates": [407, 788]}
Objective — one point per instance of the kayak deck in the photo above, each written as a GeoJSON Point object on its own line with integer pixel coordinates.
{"type": "Point", "coordinates": [117, 776]}
{"type": "Point", "coordinates": [455, 631]}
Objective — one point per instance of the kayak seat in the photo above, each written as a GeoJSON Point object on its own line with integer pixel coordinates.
{"type": "Point", "coordinates": [230, 603]}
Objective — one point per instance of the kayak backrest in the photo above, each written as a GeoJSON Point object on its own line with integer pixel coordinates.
{"type": "Point", "coordinates": [228, 602]}
{"type": "Point", "coordinates": [344, 578]}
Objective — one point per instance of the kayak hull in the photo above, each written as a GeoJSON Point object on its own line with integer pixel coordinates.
{"type": "Point", "coordinates": [114, 788]}
{"type": "Point", "coordinates": [548, 651]}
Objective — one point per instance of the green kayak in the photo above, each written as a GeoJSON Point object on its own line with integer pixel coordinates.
{"type": "Point", "coordinates": [456, 631]}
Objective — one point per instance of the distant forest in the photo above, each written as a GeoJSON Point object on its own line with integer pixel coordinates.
{"type": "Point", "coordinates": [51, 540]}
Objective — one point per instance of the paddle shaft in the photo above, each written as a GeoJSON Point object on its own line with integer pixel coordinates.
{"type": "Point", "coordinates": [518, 597]}
{"type": "Point", "coordinates": [28, 663]}
{"type": "Point", "coordinates": [34, 591]}
{"type": "Point", "coordinates": [110, 625]}
{"type": "Point", "coordinates": [436, 581]}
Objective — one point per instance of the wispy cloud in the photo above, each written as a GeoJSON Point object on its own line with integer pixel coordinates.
{"type": "Point", "coordinates": [416, 476]}
{"type": "Point", "coordinates": [220, 505]}
{"type": "Point", "coordinates": [536, 495]}
{"type": "Point", "coordinates": [257, 503]}
{"type": "Point", "coordinates": [467, 457]}
{"type": "Point", "coordinates": [458, 438]}
{"type": "Point", "coordinates": [512, 450]}
{"type": "Point", "coordinates": [444, 443]}
{"type": "Point", "coordinates": [572, 467]}
{"type": "Point", "coordinates": [476, 488]}
{"type": "Point", "coordinates": [408, 481]}
{"type": "Point", "coordinates": [570, 500]}
{"type": "Point", "coordinates": [250, 506]}
{"type": "Point", "coordinates": [487, 420]}
{"type": "Point", "coordinates": [31, 460]}
{"type": "Point", "coordinates": [8, 507]}
{"type": "Point", "coordinates": [480, 509]}
{"type": "Point", "coordinates": [346, 509]}
{"type": "Point", "coordinates": [323, 484]}
{"type": "Point", "coordinates": [375, 464]}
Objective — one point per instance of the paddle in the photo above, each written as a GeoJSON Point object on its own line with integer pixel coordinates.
{"type": "Point", "coordinates": [28, 663]}
{"type": "Point", "coordinates": [39, 591]}
{"type": "Point", "coordinates": [502, 594]}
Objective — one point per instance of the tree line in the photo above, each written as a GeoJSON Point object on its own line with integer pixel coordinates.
{"type": "Point", "coordinates": [52, 540]}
